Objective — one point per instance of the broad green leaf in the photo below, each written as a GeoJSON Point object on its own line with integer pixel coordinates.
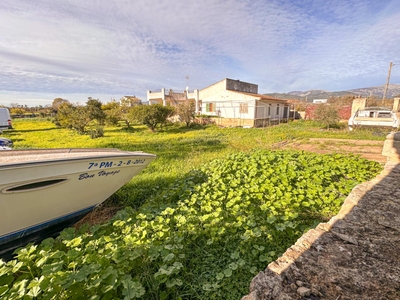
{"type": "Point", "coordinates": [132, 289]}
{"type": "Point", "coordinates": [3, 289]}
{"type": "Point", "coordinates": [6, 279]}
{"type": "Point", "coordinates": [54, 267]}
{"type": "Point", "coordinates": [227, 272]}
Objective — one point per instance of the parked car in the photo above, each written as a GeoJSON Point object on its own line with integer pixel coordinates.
{"type": "Point", "coordinates": [5, 144]}
{"type": "Point", "coordinates": [374, 117]}
{"type": "Point", "coordinates": [5, 119]}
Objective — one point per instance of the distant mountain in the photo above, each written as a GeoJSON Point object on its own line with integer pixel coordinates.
{"type": "Point", "coordinates": [377, 91]}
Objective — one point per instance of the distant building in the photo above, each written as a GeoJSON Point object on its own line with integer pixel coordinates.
{"type": "Point", "coordinates": [240, 102]}
{"type": "Point", "coordinates": [173, 97]}
{"type": "Point", "coordinates": [131, 100]}
{"type": "Point", "coordinates": [318, 101]}
{"type": "Point", "coordinates": [233, 102]}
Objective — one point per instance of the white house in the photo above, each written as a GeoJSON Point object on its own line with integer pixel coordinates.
{"type": "Point", "coordinates": [171, 97]}
{"type": "Point", "coordinates": [233, 102]}
{"type": "Point", "coordinates": [238, 100]}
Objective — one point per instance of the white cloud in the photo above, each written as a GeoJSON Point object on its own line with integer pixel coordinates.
{"type": "Point", "coordinates": [127, 47]}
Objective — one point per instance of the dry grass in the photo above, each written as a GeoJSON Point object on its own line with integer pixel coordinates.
{"type": "Point", "coordinates": [99, 215]}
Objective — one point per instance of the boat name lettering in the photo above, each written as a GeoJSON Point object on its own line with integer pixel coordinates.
{"type": "Point", "coordinates": [85, 176]}
{"type": "Point", "coordinates": [105, 173]}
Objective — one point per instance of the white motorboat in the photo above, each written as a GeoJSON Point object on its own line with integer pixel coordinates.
{"type": "Point", "coordinates": [374, 117]}
{"type": "Point", "coordinates": [5, 144]}
{"type": "Point", "coordinates": [42, 191]}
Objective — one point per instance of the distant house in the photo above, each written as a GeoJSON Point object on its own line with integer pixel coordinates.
{"type": "Point", "coordinates": [232, 102]}
{"type": "Point", "coordinates": [131, 100]}
{"type": "Point", "coordinates": [318, 101]}
{"type": "Point", "coordinates": [173, 98]}
{"type": "Point", "coordinates": [240, 104]}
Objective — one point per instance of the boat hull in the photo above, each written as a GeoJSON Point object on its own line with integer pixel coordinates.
{"type": "Point", "coordinates": [374, 117]}
{"type": "Point", "coordinates": [55, 189]}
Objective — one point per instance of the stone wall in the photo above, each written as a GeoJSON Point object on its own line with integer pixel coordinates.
{"type": "Point", "coordinates": [358, 103]}
{"type": "Point", "coordinates": [238, 122]}
{"type": "Point", "coordinates": [225, 122]}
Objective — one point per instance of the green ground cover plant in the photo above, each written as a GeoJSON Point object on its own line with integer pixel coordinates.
{"type": "Point", "coordinates": [178, 149]}
{"type": "Point", "coordinates": [215, 208]}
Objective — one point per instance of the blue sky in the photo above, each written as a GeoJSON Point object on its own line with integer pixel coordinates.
{"type": "Point", "coordinates": [77, 49]}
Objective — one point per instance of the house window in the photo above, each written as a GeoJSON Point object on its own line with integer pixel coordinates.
{"type": "Point", "coordinates": [269, 110]}
{"type": "Point", "coordinates": [244, 108]}
{"type": "Point", "coordinates": [210, 107]}
{"type": "Point", "coordinates": [277, 109]}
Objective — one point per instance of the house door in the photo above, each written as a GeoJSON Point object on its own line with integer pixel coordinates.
{"type": "Point", "coordinates": [285, 112]}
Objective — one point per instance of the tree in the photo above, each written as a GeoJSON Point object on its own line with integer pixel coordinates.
{"type": "Point", "coordinates": [151, 115]}
{"type": "Point", "coordinates": [17, 110]}
{"type": "Point", "coordinates": [327, 114]}
{"type": "Point", "coordinates": [73, 117]}
{"type": "Point", "coordinates": [186, 112]}
{"type": "Point", "coordinates": [94, 108]}
{"type": "Point", "coordinates": [112, 112]}
{"type": "Point", "coordinates": [57, 102]}
{"type": "Point", "coordinates": [119, 111]}
{"type": "Point", "coordinates": [80, 118]}
{"type": "Point", "coordinates": [64, 113]}
{"type": "Point", "coordinates": [124, 112]}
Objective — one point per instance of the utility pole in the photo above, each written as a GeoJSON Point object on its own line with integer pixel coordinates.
{"type": "Point", "coordinates": [387, 82]}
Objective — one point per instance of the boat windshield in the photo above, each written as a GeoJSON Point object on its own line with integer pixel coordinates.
{"type": "Point", "coordinates": [384, 114]}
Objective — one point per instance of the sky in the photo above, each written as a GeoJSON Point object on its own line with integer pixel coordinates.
{"type": "Point", "coordinates": [74, 49]}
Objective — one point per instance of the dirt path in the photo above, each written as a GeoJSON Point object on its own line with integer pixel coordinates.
{"type": "Point", "coordinates": [371, 150]}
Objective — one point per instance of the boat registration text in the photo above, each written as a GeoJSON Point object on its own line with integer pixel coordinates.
{"type": "Point", "coordinates": [110, 164]}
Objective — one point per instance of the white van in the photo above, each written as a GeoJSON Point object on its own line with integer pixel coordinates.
{"type": "Point", "coordinates": [5, 119]}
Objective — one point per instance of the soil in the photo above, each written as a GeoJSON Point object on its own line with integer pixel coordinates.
{"type": "Point", "coordinates": [371, 150]}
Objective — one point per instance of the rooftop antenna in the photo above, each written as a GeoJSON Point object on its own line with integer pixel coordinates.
{"type": "Point", "coordinates": [387, 82]}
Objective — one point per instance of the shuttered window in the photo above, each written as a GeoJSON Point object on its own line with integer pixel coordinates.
{"type": "Point", "coordinates": [210, 107]}
{"type": "Point", "coordinates": [244, 108]}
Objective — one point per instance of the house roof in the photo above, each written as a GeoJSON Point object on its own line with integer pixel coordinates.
{"type": "Point", "coordinates": [263, 97]}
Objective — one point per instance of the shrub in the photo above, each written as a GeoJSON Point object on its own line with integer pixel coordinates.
{"type": "Point", "coordinates": [96, 132]}
{"type": "Point", "coordinates": [112, 112]}
{"type": "Point", "coordinates": [94, 108]}
{"type": "Point", "coordinates": [151, 115]}
{"type": "Point", "coordinates": [72, 117]}
{"type": "Point", "coordinates": [186, 112]}
{"type": "Point", "coordinates": [327, 115]}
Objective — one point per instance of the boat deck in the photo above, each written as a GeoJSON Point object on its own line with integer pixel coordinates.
{"type": "Point", "coordinates": [20, 156]}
